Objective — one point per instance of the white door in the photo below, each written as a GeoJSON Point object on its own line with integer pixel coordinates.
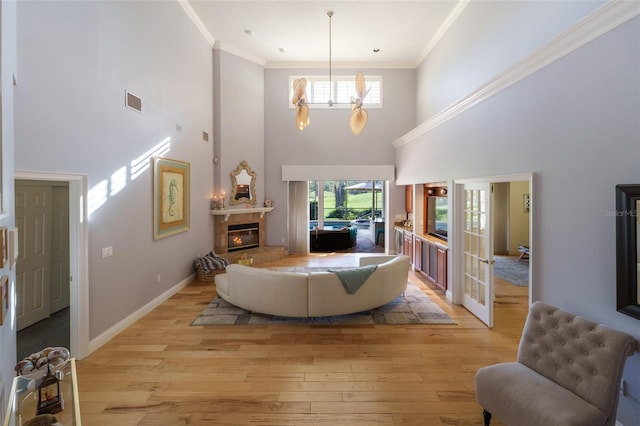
{"type": "Point", "coordinates": [60, 274]}
{"type": "Point", "coordinates": [33, 210]}
{"type": "Point", "coordinates": [478, 252]}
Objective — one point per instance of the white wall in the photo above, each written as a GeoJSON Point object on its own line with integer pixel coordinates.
{"type": "Point", "coordinates": [328, 140]}
{"type": "Point", "coordinates": [7, 218]}
{"type": "Point", "coordinates": [76, 59]}
{"type": "Point", "coordinates": [576, 125]}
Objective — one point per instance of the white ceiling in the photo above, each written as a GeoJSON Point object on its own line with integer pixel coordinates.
{"type": "Point", "coordinates": [402, 30]}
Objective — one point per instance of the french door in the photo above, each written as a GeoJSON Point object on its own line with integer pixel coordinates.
{"type": "Point", "coordinates": [477, 294]}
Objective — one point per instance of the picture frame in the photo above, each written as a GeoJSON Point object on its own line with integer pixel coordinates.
{"type": "Point", "coordinates": [526, 203]}
{"type": "Point", "coordinates": [4, 298]}
{"type": "Point", "coordinates": [171, 195]}
{"type": "Point", "coordinates": [3, 247]}
{"type": "Point", "coordinates": [13, 243]}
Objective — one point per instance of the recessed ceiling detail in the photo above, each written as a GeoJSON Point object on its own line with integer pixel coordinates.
{"type": "Point", "coordinates": [294, 25]}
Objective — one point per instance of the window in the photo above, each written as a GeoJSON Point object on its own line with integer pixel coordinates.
{"type": "Point", "coordinates": [338, 202]}
{"type": "Point", "coordinates": [340, 90]}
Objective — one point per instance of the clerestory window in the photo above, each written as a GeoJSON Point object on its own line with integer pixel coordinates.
{"type": "Point", "coordinates": [339, 90]}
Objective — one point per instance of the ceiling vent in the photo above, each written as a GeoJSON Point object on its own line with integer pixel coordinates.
{"type": "Point", "coordinates": [133, 102]}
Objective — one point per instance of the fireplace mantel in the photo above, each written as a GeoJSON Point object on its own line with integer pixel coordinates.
{"type": "Point", "coordinates": [228, 212]}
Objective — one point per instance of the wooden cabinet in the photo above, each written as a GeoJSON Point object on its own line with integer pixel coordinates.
{"type": "Point", "coordinates": [431, 260]}
{"type": "Point", "coordinates": [408, 198]}
{"type": "Point", "coordinates": [432, 269]}
{"type": "Point", "coordinates": [441, 268]}
{"type": "Point", "coordinates": [417, 254]}
{"type": "Point", "coordinates": [407, 246]}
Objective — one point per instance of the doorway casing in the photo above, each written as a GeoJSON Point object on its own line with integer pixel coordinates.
{"type": "Point", "coordinates": [78, 255]}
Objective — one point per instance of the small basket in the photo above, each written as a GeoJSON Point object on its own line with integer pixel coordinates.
{"type": "Point", "coordinates": [210, 276]}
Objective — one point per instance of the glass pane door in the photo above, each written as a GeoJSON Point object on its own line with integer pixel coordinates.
{"type": "Point", "coordinates": [478, 254]}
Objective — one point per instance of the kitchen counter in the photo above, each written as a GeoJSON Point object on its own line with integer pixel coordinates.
{"type": "Point", "coordinates": [433, 240]}
{"type": "Point", "coordinates": [425, 237]}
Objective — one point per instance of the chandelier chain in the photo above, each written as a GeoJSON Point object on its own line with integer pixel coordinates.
{"type": "Point", "coordinates": [330, 15]}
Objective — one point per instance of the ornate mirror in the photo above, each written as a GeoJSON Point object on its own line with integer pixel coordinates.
{"type": "Point", "coordinates": [243, 185]}
{"type": "Point", "coordinates": [627, 253]}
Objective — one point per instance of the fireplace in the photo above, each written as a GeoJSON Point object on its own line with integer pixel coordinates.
{"type": "Point", "coordinates": [243, 236]}
{"type": "Point", "coordinates": [241, 232]}
{"type": "Point", "coordinates": [238, 233]}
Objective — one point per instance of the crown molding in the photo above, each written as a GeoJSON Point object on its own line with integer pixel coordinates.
{"type": "Point", "coordinates": [610, 16]}
{"type": "Point", "coordinates": [340, 65]}
{"type": "Point", "coordinates": [451, 18]}
{"type": "Point", "coordinates": [197, 21]}
{"type": "Point", "coordinates": [239, 53]}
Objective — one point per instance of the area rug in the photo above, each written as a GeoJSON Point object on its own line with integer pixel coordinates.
{"type": "Point", "coordinates": [509, 268]}
{"type": "Point", "coordinates": [415, 308]}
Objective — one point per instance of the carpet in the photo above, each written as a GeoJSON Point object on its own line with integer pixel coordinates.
{"type": "Point", "coordinates": [509, 268]}
{"type": "Point", "coordinates": [51, 331]}
{"type": "Point", "coordinates": [415, 308]}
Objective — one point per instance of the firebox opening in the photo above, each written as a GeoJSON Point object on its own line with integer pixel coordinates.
{"type": "Point", "coordinates": [243, 236]}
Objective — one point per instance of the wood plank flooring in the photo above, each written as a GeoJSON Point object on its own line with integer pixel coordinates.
{"type": "Point", "coordinates": [162, 371]}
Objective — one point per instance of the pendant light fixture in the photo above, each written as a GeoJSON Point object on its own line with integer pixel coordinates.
{"type": "Point", "coordinates": [359, 115]}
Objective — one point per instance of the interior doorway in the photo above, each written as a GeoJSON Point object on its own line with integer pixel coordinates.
{"type": "Point", "coordinates": [42, 274]}
{"type": "Point", "coordinates": [77, 221]}
{"type": "Point", "coordinates": [511, 236]}
{"type": "Point", "coordinates": [485, 218]}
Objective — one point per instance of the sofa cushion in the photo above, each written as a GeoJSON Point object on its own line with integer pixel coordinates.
{"type": "Point", "coordinates": [511, 389]}
{"type": "Point", "coordinates": [576, 353]}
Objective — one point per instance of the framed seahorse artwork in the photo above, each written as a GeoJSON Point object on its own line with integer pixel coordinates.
{"type": "Point", "coordinates": [170, 197]}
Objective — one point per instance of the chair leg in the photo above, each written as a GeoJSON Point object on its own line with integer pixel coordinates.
{"type": "Point", "coordinates": [487, 417]}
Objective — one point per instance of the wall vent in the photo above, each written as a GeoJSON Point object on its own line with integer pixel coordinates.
{"type": "Point", "coordinates": [133, 102]}
{"type": "Point", "coordinates": [205, 136]}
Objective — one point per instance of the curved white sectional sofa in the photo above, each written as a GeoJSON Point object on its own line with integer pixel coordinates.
{"type": "Point", "coordinates": [312, 294]}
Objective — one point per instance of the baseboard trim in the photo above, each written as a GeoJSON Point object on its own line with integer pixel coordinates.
{"type": "Point", "coordinates": [102, 339]}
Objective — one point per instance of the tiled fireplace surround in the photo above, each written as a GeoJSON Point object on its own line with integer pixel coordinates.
{"type": "Point", "coordinates": [260, 254]}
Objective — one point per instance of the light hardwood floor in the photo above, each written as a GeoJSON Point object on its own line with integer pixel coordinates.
{"type": "Point", "coordinates": [162, 371]}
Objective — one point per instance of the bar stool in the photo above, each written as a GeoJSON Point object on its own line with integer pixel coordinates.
{"type": "Point", "coordinates": [378, 233]}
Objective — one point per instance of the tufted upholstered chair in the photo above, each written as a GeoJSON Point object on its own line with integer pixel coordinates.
{"type": "Point", "coordinates": [567, 373]}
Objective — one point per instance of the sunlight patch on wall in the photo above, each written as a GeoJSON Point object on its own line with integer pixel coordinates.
{"type": "Point", "coordinates": [100, 193]}
{"type": "Point", "coordinates": [118, 180]}
{"type": "Point", "coordinates": [142, 163]}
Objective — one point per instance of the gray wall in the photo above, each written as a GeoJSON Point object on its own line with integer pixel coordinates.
{"type": "Point", "coordinates": [76, 59]}
{"type": "Point", "coordinates": [239, 120]}
{"type": "Point", "coordinates": [576, 125]}
{"type": "Point", "coordinates": [484, 41]}
{"type": "Point", "coordinates": [328, 139]}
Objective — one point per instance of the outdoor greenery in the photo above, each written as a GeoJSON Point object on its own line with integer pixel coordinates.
{"type": "Point", "coordinates": [340, 203]}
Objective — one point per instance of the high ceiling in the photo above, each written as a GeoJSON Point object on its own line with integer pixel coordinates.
{"type": "Point", "coordinates": [295, 31]}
